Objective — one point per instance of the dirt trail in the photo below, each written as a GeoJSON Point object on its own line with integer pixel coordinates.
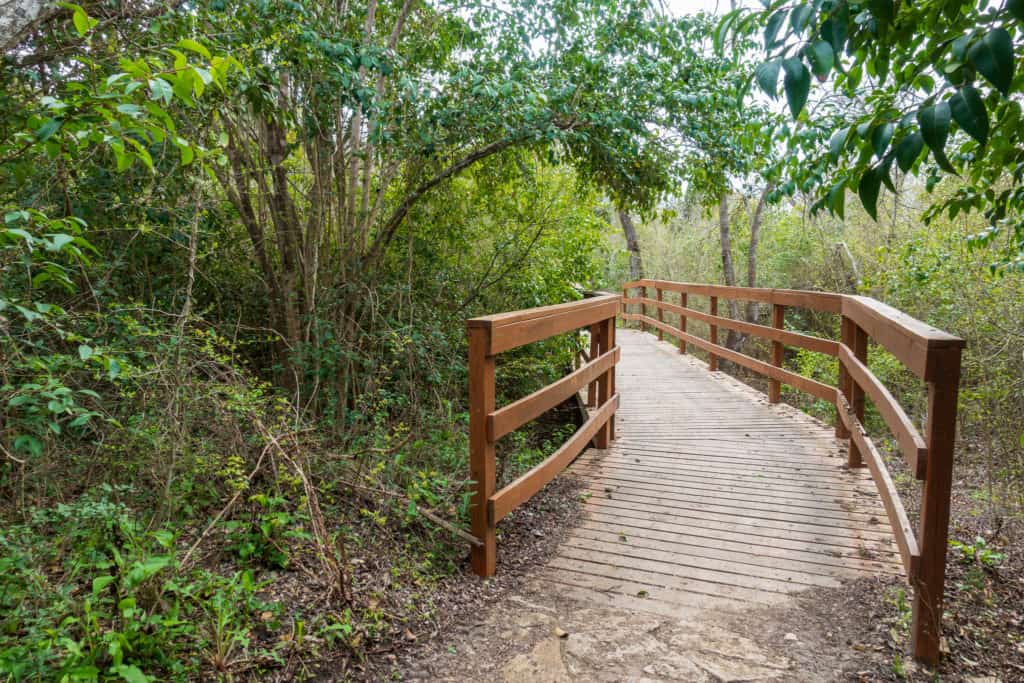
{"type": "Point", "coordinates": [537, 634]}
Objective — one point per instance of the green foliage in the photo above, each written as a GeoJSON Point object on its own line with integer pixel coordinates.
{"type": "Point", "coordinates": [88, 593]}
{"type": "Point", "coordinates": [906, 78]}
{"type": "Point", "coordinates": [263, 540]}
{"type": "Point", "coordinates": [978, 552]}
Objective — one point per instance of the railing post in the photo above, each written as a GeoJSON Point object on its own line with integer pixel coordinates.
{"type": "Point", "coordinates": [609, 427]}
{"type": "Point", "coordinates": [481, 448]}
{"type": "Point", "coordinates": [661, 315]}
{"type": "Point", "coordinates": [856, 339]}
{"type": "Point", "coordinates": [713, 335]}
{"type": "Point", "coordinates": [603, 383]}
{"type": "Point", "coordinates": [682, 321]}
{"type": "Point", "coordinates": [643, 309]}
{"type": "Point", "coordinates": [940, 436]}
{"type": "Point", "coordinates": [778, 322]}
{"type": "Point", "coordinates": [595, 351]}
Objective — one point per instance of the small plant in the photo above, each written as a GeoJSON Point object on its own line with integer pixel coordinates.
{"type": "Point", "coordinates": [978, 553]}
{"type": "Point", "coordinates": [979, 558]}
{"type": "Point", "coordinates": [264, 539]}
{"type": "Point", "coordinates": [898, 668]}
{"type": "Point", "coordinates": [904, 615]}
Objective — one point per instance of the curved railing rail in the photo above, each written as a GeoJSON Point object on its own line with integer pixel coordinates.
{"type": "Point", "coordinates": [931, 354]}
{"type": "Point", "coordinates": [490, 336]}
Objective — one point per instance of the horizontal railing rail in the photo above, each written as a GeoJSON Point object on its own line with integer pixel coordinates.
{"type": "Point", "coordinates": [931, 354]}
{"type": "Point", "coordinates": [494, 334]}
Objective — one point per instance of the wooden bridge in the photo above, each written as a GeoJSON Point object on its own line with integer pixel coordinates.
{"type": "Point", "coordinates": [702, 492]}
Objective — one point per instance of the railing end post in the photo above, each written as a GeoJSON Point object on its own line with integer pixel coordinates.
{"type": "Point", "coordinates": [926, 630]}
{"type": "Point", "coordinates": [481, 448]}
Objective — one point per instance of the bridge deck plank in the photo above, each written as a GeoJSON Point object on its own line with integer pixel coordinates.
{"type": "Point", "coordinates": [710, 497]}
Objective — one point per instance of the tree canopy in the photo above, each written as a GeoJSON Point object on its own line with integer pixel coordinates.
{"type": "Point", "coordinates": [928, 88]}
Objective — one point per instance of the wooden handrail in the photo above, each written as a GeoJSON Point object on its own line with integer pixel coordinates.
{"type": "Point", "coordinates": [817, 301]}
{"type": "Point", "coordinates": [911, 443]}
{"type": "Point", "coordinates": [515, 415]}
{"type": "Point", "coordinates": [804, 341]}
{"type": "Point", "coordinates": [494, 334]}
{"type": "Point", "coordinates": [931, 354]}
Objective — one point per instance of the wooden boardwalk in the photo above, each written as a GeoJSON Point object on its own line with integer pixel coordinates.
{"type": "Point", "coordinates": [710, 497]}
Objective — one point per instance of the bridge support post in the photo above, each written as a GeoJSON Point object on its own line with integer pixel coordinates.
{"type": "Point", "coordinates": [778, 322]}
{"type": "Point", "coordinates": [856, 339]}
{"type": "Point", "coordinates": [481, 448]}
{"type": "Point", "coordinates": [929, 584]}
{"type": "Point", "coordinates": [682, 320]}
{"type": "Point", "coordinates": [661, 314]}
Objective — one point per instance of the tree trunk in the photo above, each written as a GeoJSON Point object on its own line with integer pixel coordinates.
{"type": "Point", "coordinates": [755, 235]}
{"type": "Point", "coordinates": [733, 339]}
{"type": "Point", "coordinates": [18, 16]}
{"type": "Point", "coordinates": [636, 264]}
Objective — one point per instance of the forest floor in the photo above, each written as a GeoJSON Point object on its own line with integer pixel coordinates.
{"type": "Point", "coordinates": [524, 629]}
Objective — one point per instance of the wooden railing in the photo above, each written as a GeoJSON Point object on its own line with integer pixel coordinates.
{"type": "Point", "coordinates": [491, 335]}
{"type": "Point", "coordinates": [931, 354]}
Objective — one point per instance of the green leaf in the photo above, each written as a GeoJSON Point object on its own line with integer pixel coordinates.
{"type": "Point", "coordinates": [85, 351]}
{"type": "Point", "coordinates": [49, 127]}
{"type": "Point", "coordinates": [908, 150]}
{"type": "Point", "coordinates": [867, 190]}
{"type": "Point", "coordinates": [837, 200]}
{"type": "Point", "coordinates": [161, 90]}
{"type": "Point", "coordinates": [83, 24]}
{"type": "Point", "coordinates": [30, 444]}
{"type": "Point", "coordinates": [58, 241]}
{"type": "Point", "coordinates": [883, 11]}
{"type": "Point", "coordinates": [1016, 8]}
{"type": "Point", "coordinates": [187, 154]}
{"type": "Point", "coordinates": [822, 58]}
{"type": "Point", "coordinates": [968, 111]}
{"type": "Point", "coordinates": [934, 122]}
{"type": "Point", "coordinates": [145, 569]}
{"type": "Point", "coordinates": [17, 216]}
{"type": "Point", "coordinates": [131, 673]}
{"type": "Point", "coordinates": [886, 176]}
{"type": "Point", "coordinates": [992, 56]}
{"type": "Point", "coordinates": [799, 16]}
{"type": "Point", "coordinates": [23, 234]}
{"type": "Point", "coordinates": [834, 29]}
{"type": "Point", "coordinates": [767, 75]}
{"type": "Point", "coordinates": [771, 30]}
{"type": "Point", "coordinates": [194, 46]}
{"type": "Point", "coordinates": [880, 138]}
{"type": "Point", "coordinates": [81, 419]}
{"type": "Point", "coordinates": [797, 83]}
{"type": "Point", "coordinates": [101, 582]}
{"type": "Point", "coordinates": [113, 369]}
{"type": "Point", "coordinates": [837, 143]}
